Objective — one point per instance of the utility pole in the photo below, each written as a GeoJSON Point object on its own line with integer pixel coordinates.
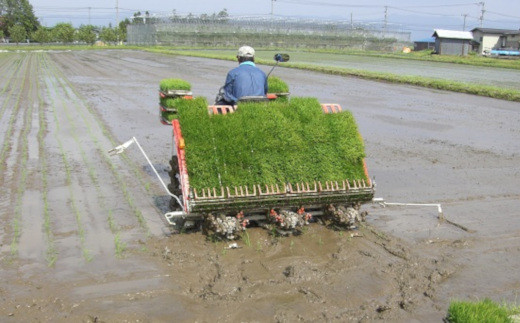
{"type": "Point", "coordinates": [464, 26]}
{"type": "Point", "coordinates": [117, 12]}
{"type": "Point", "coordinates": [272, 7]}
{"type": "Point", "coordinates": [351, 20]}
{"type": "Point", "coordinates": [482, 14]}
{"type": "Point", "coordinates": [117, 21]}
{"type": "Point", "coordinates": [386, 19]}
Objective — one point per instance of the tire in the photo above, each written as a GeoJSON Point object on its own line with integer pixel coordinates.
{"type": "Point", "coordinates": [175, 185]}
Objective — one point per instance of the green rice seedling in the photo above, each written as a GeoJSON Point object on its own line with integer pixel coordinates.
{"type": "Point", "coordinates": [277, 85]}
{"type": "Point", "coordinates": [86, 255]}
{"type": "Point", "coordinates": [174, 84]}
{"type": "Point", "coordinates": [111, 223]}
{"type": "Point", "coordinates": [169, 102]}
{"type": "Point", "coordinates": [120, 246]}
{"type": "Point", "coordinates": [247, 239]}
{"type": "Point", "coordinates": [167, 115]}
{"type": "Point", "coordinates": [476, 312]}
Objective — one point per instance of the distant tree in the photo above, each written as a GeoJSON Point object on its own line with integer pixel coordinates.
{"type": "Point", "coordinates": [87, 34]}
{"type": "Point", "coordinates": [123, 26]}
{"type": "Point", "coordinates": [108, 35]}
{"type": "Point", "coordinates": [17, 12]}
{"type": "Point", "coordinates": [42, 35]}
{"type": "Point", "coordinates": [138, 18]}
{"type": "Point", "coordinates": [2, 21]}
{"type": "Point", "coordinates": [63, 33]}
{"type": "Point", "coordinates": [174, 16]}
{"type": "Point", "coordinates": [223, 14]}
{"type": "Point", "coordinates": [145, 18]}
{"type": "Point", "coordinates": [17, 33]}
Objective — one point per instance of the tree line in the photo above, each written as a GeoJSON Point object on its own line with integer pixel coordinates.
{"type": "Point", "coordinates": [19, 23]}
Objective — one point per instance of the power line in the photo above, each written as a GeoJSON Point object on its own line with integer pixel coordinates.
{"type": "Point", "coordinates": [320, 3]}
{"type": "Point", "coordinates": [503, 15]}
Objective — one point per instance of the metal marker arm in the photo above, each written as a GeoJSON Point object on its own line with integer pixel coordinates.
{"type": "Point", "coordinates": [121, 148]}
{"type": "Point", "coordinates": [382, 202]}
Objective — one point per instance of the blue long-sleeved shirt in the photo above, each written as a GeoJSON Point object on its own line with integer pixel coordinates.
{"type": "Point", "coordinates": [245, 80]}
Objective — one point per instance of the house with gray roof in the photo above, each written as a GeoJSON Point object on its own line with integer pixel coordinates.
{"type": "Point", "coordinates": [452, 42]}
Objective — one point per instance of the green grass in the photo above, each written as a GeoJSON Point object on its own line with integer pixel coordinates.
{"type": "Point", "coordinates": [270, 143]}
{"type": "Point", "coordinates": [174, 84]}
{"type": "Point", "coordinates": [480, 312]}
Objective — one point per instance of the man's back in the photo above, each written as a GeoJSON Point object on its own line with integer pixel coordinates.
{"type": "Point", "coordinates": [245, 80]}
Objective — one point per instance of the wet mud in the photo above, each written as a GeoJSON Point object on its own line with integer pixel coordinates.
{"type": "Point", "coordinates": [83, 239]}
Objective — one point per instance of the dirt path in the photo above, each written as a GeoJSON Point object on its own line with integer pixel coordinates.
{"type": "Point", "coordinates": [82, 237]}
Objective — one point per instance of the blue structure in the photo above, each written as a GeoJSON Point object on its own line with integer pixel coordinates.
{"type": "Point", "coordinates": [505, 52]}
{"type": "Point", "coordinates": [425, 43]}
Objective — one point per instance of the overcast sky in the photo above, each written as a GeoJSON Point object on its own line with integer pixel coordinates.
{"type": "Point", "coordinates": [418, 17]}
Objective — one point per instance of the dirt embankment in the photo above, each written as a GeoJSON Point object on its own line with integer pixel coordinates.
{"type": "Point", "coordinates": [82, 236]}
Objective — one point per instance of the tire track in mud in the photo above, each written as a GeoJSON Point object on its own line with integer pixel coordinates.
{"type": "Point", "coordinates": [103, 67]}
{"type": "Point", "coordinates": [102, 64]}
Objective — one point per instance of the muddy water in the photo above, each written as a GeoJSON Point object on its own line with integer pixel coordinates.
{"type": "Point", "coordinates": [113, 257]}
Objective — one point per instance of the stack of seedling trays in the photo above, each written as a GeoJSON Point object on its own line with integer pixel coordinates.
{"type": "Point", "coordinates": [170, 92]}
{"type": "Point", "coordinates": [278, 88]}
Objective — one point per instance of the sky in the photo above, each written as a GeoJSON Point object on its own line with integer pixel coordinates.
{"type": "Point", "coordinates": [419, 18]}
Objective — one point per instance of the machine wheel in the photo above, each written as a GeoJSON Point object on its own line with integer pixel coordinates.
{"type": "Point", "coordinates": [175, 185]}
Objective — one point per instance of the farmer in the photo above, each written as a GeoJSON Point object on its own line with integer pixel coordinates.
{"type": "Point", "coordinates": [244, 80]}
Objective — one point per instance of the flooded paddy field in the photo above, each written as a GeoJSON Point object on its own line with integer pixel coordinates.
{"type": "Point", "coordinates": [83, 239]}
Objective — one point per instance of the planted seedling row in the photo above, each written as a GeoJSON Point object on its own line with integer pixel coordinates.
{"type": "Point", "coordinates": [9, 138]}
{"type": "Point", "coordinates": [16, 106]}
{"type": "Point", "coordinates": [51, 251]}
{"type": "Point", "coordinates": [8, 82]}
{"type": "Point", "coordinates": [22, 162]}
